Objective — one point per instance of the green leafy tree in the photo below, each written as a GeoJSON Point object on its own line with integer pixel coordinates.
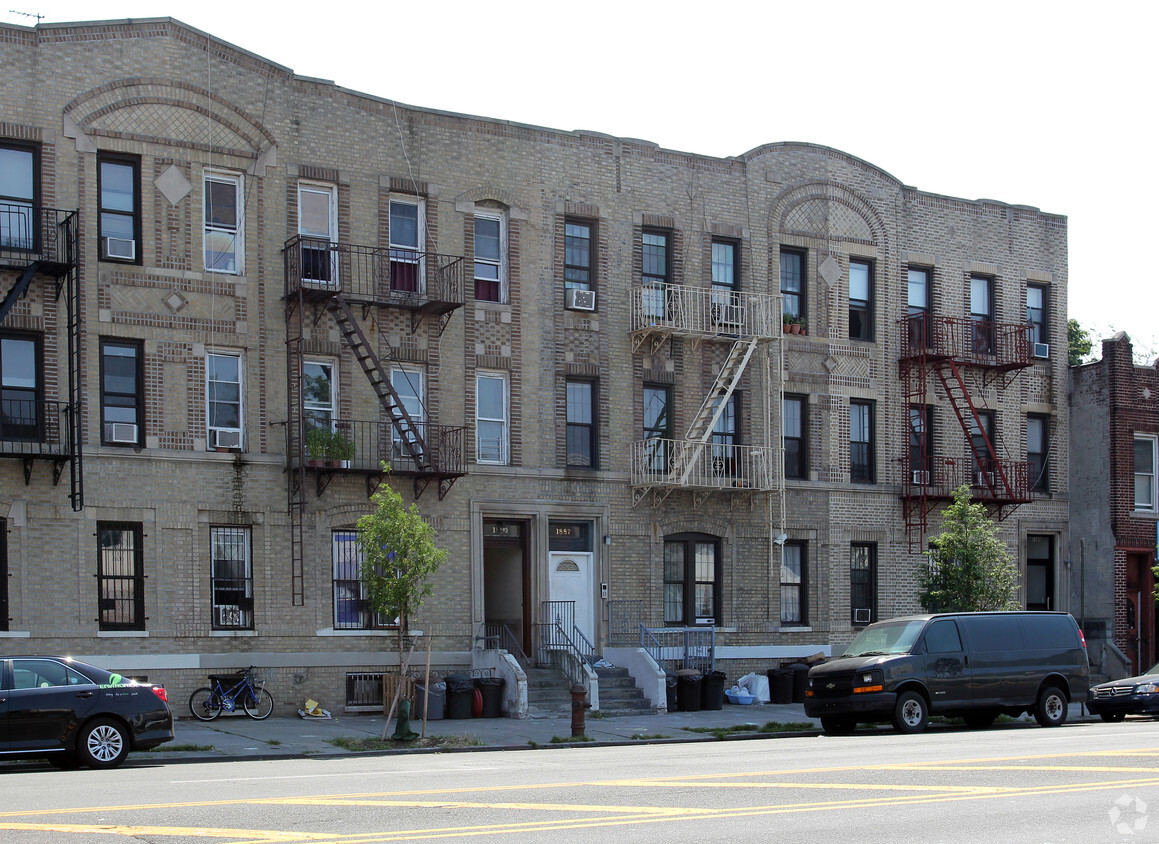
{"type": "Point", "coordinates": [399, 556]}
{"type": "Point", "coordinates": [970, 568]}
{"type": "Point", "coordinates": [1078, 341]}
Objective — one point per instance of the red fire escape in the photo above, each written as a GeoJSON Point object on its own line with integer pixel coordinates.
{"type": "Point", "coordinates": [953, 354]}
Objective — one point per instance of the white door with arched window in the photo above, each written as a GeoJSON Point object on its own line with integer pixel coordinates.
{"type": "Point", "coordinates": [572, 578]}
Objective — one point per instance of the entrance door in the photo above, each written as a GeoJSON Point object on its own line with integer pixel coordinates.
{"type": "Point", "coordinates": [572, 579]}
{"type": "Point", "coordinates": [506, 578]}
{"type": "Point", "coordinates": [1140, 612]}
{"type": "Point", "coordinates": [1040, 572]}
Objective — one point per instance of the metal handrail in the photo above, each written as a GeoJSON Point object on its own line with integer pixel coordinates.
{"type": "Point", "coordinates": [705, 312]}
{"type": "Point", "coordinates": [714, 465]}
{"type": "Point", "coordinates": [680, 647]}
{"type": "Point", "coordinates": [34, 428]}
{"type": "Point", "coordinates": [368, 443]}
{"type": "Point", "coordinates": [501, 637]}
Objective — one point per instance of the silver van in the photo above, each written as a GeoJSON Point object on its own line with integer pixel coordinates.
{"type": "Point", "coordinates": [972, 665]}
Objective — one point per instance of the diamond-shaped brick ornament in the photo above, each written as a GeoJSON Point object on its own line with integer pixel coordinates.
{"type": "Point", "coordinates": [830, 270]}
{"type": "Point", "coordinates": [173, 184]}
{"type": "Point", "coordinates": [175, 302]}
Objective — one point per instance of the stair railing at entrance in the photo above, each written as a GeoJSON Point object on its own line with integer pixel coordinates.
{"type": "Point", "coordinates": [624, 621]}
{"type": "Point", "coordinates": [501, 637]}
{"type": "Point", "coordinates": [562, 644]}
{"type": "Point", "coordinates": [680, 647]}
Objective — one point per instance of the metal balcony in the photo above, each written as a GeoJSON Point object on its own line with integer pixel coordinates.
{"type": "Point", "coordinates": [663, 310]}
{"type": "Point", "coordinates": [991, 345]}
{"type": "Point", "coordinates": [46, 236]}
{"type": "Point", "coordinates": [945, 475]}
{"type": "Point", "coordinates": [663, 465]}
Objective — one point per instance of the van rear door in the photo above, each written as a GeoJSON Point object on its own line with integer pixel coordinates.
{"type": "Point", "coordinates": [948, 675]}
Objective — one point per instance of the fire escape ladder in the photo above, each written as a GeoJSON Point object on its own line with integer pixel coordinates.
{"type": "Point", "coordinates": [409, 435]}
{"type": "Point", "coordinates": [916, 503]}
{"type": "Point", "coordinates": [73, 412]}
{"type": "Point", "coordinates": [990, 473]}
{"type": "Point", "coordinates": [18, 289]}
{"type": "Point", "coordinates": [295, 428]}
{"type": "Point", "coordinates": [700, 431]}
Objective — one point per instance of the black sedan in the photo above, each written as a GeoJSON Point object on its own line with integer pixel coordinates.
{"type": "Point", "coordinates": [72, 713]}
{"type": "Point", "coordinates": [1117, 699]}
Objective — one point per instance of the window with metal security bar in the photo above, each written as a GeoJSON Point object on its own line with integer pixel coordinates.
{"type": "Point", "coordinates": [232, 578]}
{"type": "Point", "coordinates": [120, 576]}
{"type": "Point", "coordinates": [351, 604]}
{"type": "Point", "coordinates": [863, 582]}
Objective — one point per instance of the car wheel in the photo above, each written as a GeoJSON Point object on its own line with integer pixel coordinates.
{"type": "Point", "coordinates": [102, 743]}
{"type": "Point", "coordinates": [910, 714]}
{"type": "Point", "coordinates": [979, 720]}
{"type": "Point", "coordinates": [205, 704]}
{"type": "Point", "coordinates": [1052, 706]}
{"type": "Point", "coordinates": [838, 726]}
{"type": "Point", "coordinates": [1112, 717]}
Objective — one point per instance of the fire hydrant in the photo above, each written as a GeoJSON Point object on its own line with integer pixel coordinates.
{"type": "Point", "coordinates": [578, 705]}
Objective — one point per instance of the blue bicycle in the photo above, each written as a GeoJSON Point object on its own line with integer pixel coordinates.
{"type": "Point", "coordinates": [230, 691]}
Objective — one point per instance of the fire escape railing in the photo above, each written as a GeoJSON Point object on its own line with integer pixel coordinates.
{"type": "Point", "coordinates": [362, 445]}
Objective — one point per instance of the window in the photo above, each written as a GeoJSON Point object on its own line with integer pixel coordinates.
{"type": "Point", "coordinates": [1145, 448]}
{"type": "Point", "coordinates": [982, 313]}
{"type": "Point", "coordinates": [491, 418]}
{"type": "Point", "coordinates": [921, 444]}
{"type": "Point", "coordinates": [224, 212]}
{"type": "Point", "coordinates": [318, 227]}
{"type": "Point", "coordinates": [726, 309]}
{"type": "Point", "coordinates": [120, 576]}
{"type": "Point", "coordinates": [18, 196]}
{"type": "Point", "coordinates": [861, 442]}
{"type": "Point", "coordinates": [232, 581]}
{"type": "Point", "coordinates": [1039, 573]}
{"type": "Point", "coordinates": [20, 400]}
{"type": "Point", "coordinates": [319, 394]}
{"type": "Point", "coordinates": [577, 255]}
{"type": "Point", "coordinates": [118, 185]}
{"type": "Point", "coordinates": [490, 270]}
{"type": "Point", "coordinates": [3, 574]}
{"type": "Point", "coordinates": [793, 282]}
{"type": "Point", "coordinates": [691, 579]}
{"type": "Point", "coordinates": [918, 307]}
{"type": "Point", "coordinates": [410, 386]}
{"type": "Point", "coordinates": [655, 273]}
{"type": "Point", "coordinates": [122, 395]}
{"type": "Point", "coordinates": [796, 446]}
{"type": "Point", "coordinates": [984, 447]}
{"type": "Point", "coordinates": [794, 579]}
{"type": "Point", "coordinates": [860, 300]}
{"type": "Point", "coordinates": [1037, 432]}
{"type": "Point", "coordinates": [657, 427]}
{"type": "Point", "coordinates": [581, 425]}
{"type": "Point", "coordinates": [863, 582]}
{"type": "Point", "coordinates": [1036, 314]}
{"type": "Point", "coordinates": [725, 438]}
{"type": "Point", "coordinates": [407, 224]}
{"type": "Point", "coordinates": [223, 395]}
{"type": "Point", "coordinates": [351, 607]}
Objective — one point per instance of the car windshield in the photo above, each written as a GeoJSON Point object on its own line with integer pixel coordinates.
{"type": "Point", "coordinates": [885, 637]}
{"type": "Point", "coordinates": [1154, 669]}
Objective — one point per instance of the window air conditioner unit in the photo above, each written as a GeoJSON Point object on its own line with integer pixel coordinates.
{"type": "Point", "coordinates": [1041, 350]}
{"type": "Point", "coordinates": [985, 479]}
{"type": "Point", "coordinates": [862, 616]}
{"type": "Point", "coordinates": [228, 616]}
{"type": "Point", "coordinates": [120, 247]}
{"type": "Point", "coordinates": [921, 477]}
{"type": "Point", "coordinates": [580, 300]}
{"type": "Point", "coordinates": [121, 432]}
{"type": "Point", "coordinates": [224, 439]}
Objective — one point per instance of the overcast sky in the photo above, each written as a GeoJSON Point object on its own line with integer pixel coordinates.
{"type": "Point", "coordinates": [1043, 104]}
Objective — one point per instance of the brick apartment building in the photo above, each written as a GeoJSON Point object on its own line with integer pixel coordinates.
{"type": "Point", "coordinates": [1115, 513]}
{"type": "Point", "coordinates": [231, 292]}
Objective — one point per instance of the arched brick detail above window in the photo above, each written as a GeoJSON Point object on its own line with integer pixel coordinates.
{"type": "Point", "coordinates": [829, 211]}
{"type": "Point", "coordinates": [168, 111]}
{"type": "Point", "coordinates": [465, 202]}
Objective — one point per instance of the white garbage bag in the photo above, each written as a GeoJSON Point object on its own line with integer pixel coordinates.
{"type": "Point", "coordinates": [756, 685]}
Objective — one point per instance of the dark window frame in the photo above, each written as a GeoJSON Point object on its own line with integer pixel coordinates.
{"type": "Point", "coordinates": [133, 616]}
{"type": "Point", "coordinates": [990, 427]}
{"type": "Point", "coordinates": [919, 316]}
{"type": "Point", "coordinates": [232, 589]}
{"type": "Point", "coordinates": [30, 243]}
{"type": "Point", "coordinates": [862, 581]}
{"type": "Point", "coordinates": [689, 579]}
{"type": "Point", "coordinates": [1038, 466]}
{"type": "Point", "coordinates": [1039, 327]}
{"type": "Point", "coordinates": [983, 334]}
{"type": "Point", "coordinates": [800, 586]}
{"type": "Point", "coordinates": [925, 412]}
{"type": "Point", "coordinates": [576, 275]}
{"type": "Point", "coordinates": [133, 162]}
{"type": "Point", "coordinates": [863, 468]}
{"type": "Point", "coordinates": [799, 298]}
{"type": "Point", "coordinates": [357, 608]}
{"type": "Point", "coordinates": [138, 397]}
{"type": "Point", "coordinates": [30, 428]}
{"type": "Point", "coordinates": [582, 432]}
{"type": "Point", "coordinates": [800, 469]}
{"type": "Point", "coordinates": [862, 309]}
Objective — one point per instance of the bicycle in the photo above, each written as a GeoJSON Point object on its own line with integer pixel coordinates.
{"type": "Point", "coordinates": [228, 692]}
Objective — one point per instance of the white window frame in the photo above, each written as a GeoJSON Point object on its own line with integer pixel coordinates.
{"type": "Point", "coordinates": [398, 250]}
{"type": "Point", "coordinates": [237, 231]}
{"type": "Point", "coordinates": [500, 265]}
{"type": "Point", "coordinates": [223, 353]}
{"type": "Point", "coordinates": [1151, 506]}
{"type": "Point", "coordinates": [331, 236]}
{"type": "Point", "coordinates": [498, 456]}
{"type": "Point", "coordinates": [331, 409]}
{"type": "Point", "coordinates": [410, 383]}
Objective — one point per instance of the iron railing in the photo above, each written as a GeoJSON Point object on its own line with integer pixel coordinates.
{"type": "Point", "coordinates": [703, 311]}
{"type": "Point", "coordinates": [666, 462]}
{"type": "Point", "coordinates": [945, 475]}
{"type": "Point", "coordinates": [500, 637]}
{"type": "Point", "coordinates": [1000, 345]}
{"type": "Point", "coordinates": [674, 648]}
{"type": "Point", "coordinates": [37, 234]}
{"type": "Point", "coordinates": [624, 619]}
{"type": "Point", "coordinates": [363, 445]}
{"type": "Point", "coordinates": [561, 643]}
{"type": "Point", "coordinates": [34, 428]}
{"type": "Point", "coordinates": [373, 274]}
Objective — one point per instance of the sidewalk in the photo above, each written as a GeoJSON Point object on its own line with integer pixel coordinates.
{"type": "Point", "coordinates": [240, 737]}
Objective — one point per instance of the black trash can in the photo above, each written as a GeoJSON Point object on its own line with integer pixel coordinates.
{"type": "Point", "coordinates": [670, 688]}
{"type": "Point", "coordinates": [780, 686]}
{"type": "Point", "coordinates": [492, 691]}
{"type": "Point", "coordinates": [688, 682]}
{"type": "Point", "coordinates": [712, 690]}
{"type": "Point", "coordinates": [435, 701]}
{"type": "Point", "coordinates": [460, 691]}
{"type": "Point", "coordinates": [800, 681]}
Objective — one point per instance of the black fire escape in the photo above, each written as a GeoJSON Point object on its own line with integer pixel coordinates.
{"type": "Point", "coordinates": [351, 283]}
{"type": "Point", "coordinates": [953, 353]}
{"type": "Point", "coordinates": [39, 246]}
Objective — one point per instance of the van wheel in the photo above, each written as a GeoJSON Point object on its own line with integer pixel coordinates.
{"type": "Point", "coordinates": [838, 726]}
{"type": "Point", "coordinates": [1112, 717]}
{"type": "Point", "coordinates": [910, 714]}
{"type": "Point", "coordinates": [1051, 709]}
{"type": "Point", "coordinates": [979, 720]}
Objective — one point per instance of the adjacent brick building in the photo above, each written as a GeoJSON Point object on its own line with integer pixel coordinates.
{"type": "Point", "coordinates": [570, 347]}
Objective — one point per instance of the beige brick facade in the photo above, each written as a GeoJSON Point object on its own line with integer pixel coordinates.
{"type": "Point", "coordinates": [184, 105]}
